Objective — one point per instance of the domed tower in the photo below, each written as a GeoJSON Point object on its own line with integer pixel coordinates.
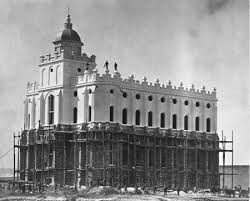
{"type": "Point", "coordinates": [68, 40]}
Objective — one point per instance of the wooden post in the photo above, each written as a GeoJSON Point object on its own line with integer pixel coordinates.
{"type": "Point", "coordinates": [103, 158]}
{"type": "Point", "coordinates": [14, 169]}
{"type": "Point", "coordinates": [128, 162]}
{"type": "Point", "coordinates": [177, 162]}
{"type": "Point", "coordinates": [42, 164]}
{"type": "Point", "coordinates": [118, 159]}
{"type": "Point", "coordinates": [223, 161]}
{"type": "Point", "coordinates": [48, 154]}
{"type": "Point", "coordinates": [185, 162]}
{"type": "Point", "coordinates": [75, 149]}
{"type": "Point", "coordinates": [34, 159]}
{"type": "Point", "coordinates": [86, 163]}
{"type": "Point", "coordinates": [154, 159]}
{"type": "Point", "coordinates": [79, 164]}
{"type": "Point", "coordinates": [134, 163]}
{"type": "Point", "coordinates": [160, 161]}
{"type": "Point", "coordinates": [196, 164]}
{"type": "Point", "coordinates": [64, 159]}
{"type": "Point", "coordinates": [166, 156]}
{"type": "Point", "coordinates": [232, 161]}
{"type": "Point", "coordinates": [18, 156]}
{"type": "Point", "coordinates": [145, 157]}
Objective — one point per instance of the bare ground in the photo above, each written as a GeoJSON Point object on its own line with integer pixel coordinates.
{"type": "Point", "coordinates": [106, 194]}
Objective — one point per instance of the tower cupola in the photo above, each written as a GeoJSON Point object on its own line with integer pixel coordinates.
{"type": "Point", "coordinates": [68, 40]}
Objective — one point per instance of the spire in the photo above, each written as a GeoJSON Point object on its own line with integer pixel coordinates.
{"type": "Point", "coordinates": [68, 24]}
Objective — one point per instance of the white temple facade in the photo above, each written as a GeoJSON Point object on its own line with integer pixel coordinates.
{"type": "Point", "coordinates": [71, 91]}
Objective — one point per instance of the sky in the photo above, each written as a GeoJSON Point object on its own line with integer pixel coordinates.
{"type": "Point", "coordinates": [200, 42]}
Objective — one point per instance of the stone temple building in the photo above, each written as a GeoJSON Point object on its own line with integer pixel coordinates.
{"type": "Point", "coordinates": [84, 128]}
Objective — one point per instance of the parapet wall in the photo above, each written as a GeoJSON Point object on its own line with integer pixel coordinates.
{"type": "Point", "coordinates": [60, 55]}
{"type": "Point", "coordinates": [144, 85]}
{"type": "Point", "coordinates": [32, 87]}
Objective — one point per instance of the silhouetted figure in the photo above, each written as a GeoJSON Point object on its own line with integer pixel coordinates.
{"type": "Point", "coordinates": [106, 65]}
{"type": "Point", "coordinates": [125, 188]}
{"type": "Point", "coordinates": [178, 190]}
{"type": "Point", "coordinates": [115, 66]}
{"type": "Point", "coordinates": [119, 188]}
{"type": "Point", "coordinates": [165, 190]}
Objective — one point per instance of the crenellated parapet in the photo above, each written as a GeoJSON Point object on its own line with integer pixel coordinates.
{"type": "Point", "coordinates": [131, 83]}
{"type": "Point", "coordinates": [52, 57]}
{"type": "Point", "coordinates": [32, 87]}
{"type": "Point", "coordinates": [59, 55]}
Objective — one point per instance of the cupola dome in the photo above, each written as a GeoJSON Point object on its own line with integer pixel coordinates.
{"type": "Point", "coordinates": [68, 34]}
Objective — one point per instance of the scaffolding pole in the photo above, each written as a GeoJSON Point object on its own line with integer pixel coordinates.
{"type": "Point", "coordinates": [232, 170]}
{"type": "Point", "coordinates": [14, 155]}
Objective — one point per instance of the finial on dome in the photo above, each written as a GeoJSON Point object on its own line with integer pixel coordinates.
{"type": "Point", "coordinates": [68, 24]}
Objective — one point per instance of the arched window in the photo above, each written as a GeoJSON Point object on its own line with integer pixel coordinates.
{"type": "Point", "coordinates": [50, 75]}
{"type": "Point", "coordinates": [111, 113]}
{"type": "Point", "coordinates": [174, 121]}
{"type": "Point", "coordinates": [75, 115]}
{"type": "Point", "coordinates": [162, 120]}
{"type": "Point", "coordinates": [137, 117]}
{"type": "Point", "coordinates": [186, 122]}
{"type": "Point", "coordinates": [150, 118]}
{"type": "Point", "coordinates": [43, 77]}
{"type": "Point", "coordinates": [89, 113]}
{"type": "Point", "coordinates": [28, 126]}
{"type": "Point", "coordinates": [124, 116]}
{"type": "Point", "coordinates": [58, 75]}
{"type": "Point", "coordinates": [51, 109]}
{"type": "Point", "coordinates": [208, 124]}
{"type": "Point", "coordinates": [197, 123]}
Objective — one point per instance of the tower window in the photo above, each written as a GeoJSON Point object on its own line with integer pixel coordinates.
{"type": "Point", "coordinates": [51, 109]}
{"type": "Point", "coordinates": [197, 123]}
{"type": "Point", "coordinates": [90, 91]}
{"type": "Point", "coordinates": [174, 121]}
{"type": "Point", "coordinates": [124, 94]}
{"type": "Point", "coordinates": [137, 117]}
{"type": "Point", "coordinates": [162, 99]}
{"type": "Point", "coordinates": [150, 118]}
{"type": "Point", "coordinates": [186, 102]}
{"type": "Point", "coordinates": [186, 122]}
{"type": "Point", "coordinates": [197, 104]}
{"type": "Point", "coordinates": [137, 96]}
{"type": "Point", "coordinates": [162, 120]}
{"type": "Point", "coordinates": [208, 105]}
{"type": "Point", "coordinates": [124, 116]}
{"type": "Point", "coordinates": [111, 91]}
{"type": "Point", "coordinates": [208, 125]}
{"type": "Point", "coordinates": [111, 113]}
{"type": "Point", "coordinates": [79, 70]}
{"type": "Point", "coordinates": [75, 115]}
{"type": "Point", "coordinates": [174, 101]}
{"type": "Point", "coordinates": [150, 98]}
{"type": "Point", "coordinates": [89, 113]}
{"type": "Point", "coordinates": [51, 70]}
{"type": "Point", "coordinates": [75, 93]}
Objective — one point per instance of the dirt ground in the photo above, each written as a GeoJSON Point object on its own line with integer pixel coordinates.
{"type": "Point", "coordinates": [105, 194]}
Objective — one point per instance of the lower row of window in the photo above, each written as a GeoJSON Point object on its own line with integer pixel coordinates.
{"type": "Point", "coordinates": [150, 119]}
{"type": "Point", "coordinates": [162, 120]}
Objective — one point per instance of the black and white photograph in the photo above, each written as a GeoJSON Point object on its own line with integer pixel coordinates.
{"type": "Point", "coordinates": [126, 100]}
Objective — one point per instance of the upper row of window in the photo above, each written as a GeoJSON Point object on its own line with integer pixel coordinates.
{"type": "Point", "coordinates": [150, 98]}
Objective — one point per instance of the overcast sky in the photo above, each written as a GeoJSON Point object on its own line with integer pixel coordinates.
{"type": "Point", "coordinates": [204, 42]}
